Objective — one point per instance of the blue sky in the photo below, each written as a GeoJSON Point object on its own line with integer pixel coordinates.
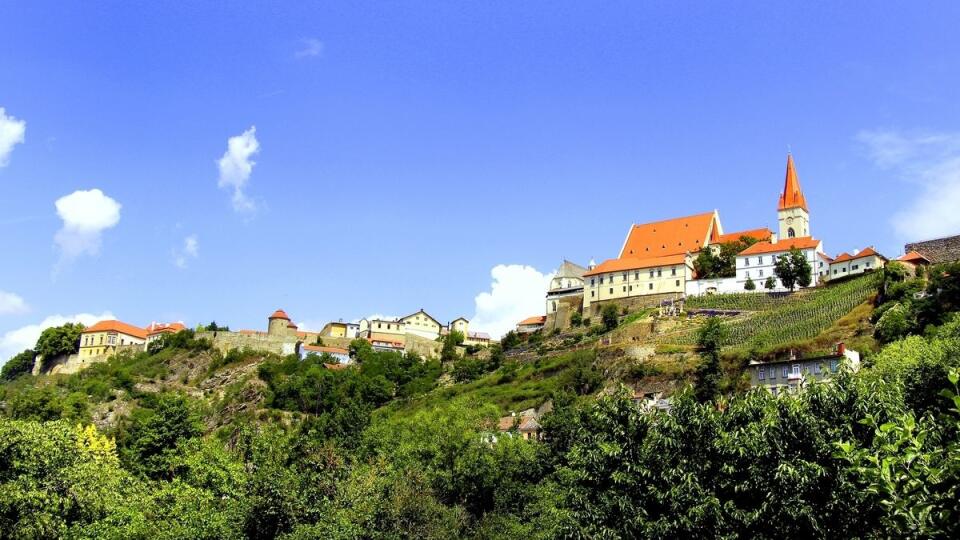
{"type": "Point", "coordinates": [406, 149]}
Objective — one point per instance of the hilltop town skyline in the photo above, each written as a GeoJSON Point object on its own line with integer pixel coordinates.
{"type": "Point", "coordinates": [351, 163]}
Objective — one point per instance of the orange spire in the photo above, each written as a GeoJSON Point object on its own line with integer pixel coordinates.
{"type": "Point", "coordinates": [792, 196]}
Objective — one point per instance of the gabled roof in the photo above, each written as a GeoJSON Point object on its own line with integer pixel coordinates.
{"type": "Point", "coordinates": [866, 252]}
{"type": "Point", "coordinates": [529, 423]}
{"type": "Point", "coordinates": [478, 335]}
{"type": "Point", "coordinates": [464, 319]}
{"type": "Point", "coordinates": [119, 327]}
{"type": "Point", "coordinates": [536, 319]}
{"type": "Point", "coordinates": [279, 314]}
{"type": "Point", "coordinates": [570, 270]}
{"type": "Point", "coordinates": [792, 195]}
{"type": "Point", "coordinates": [161, 328]}
{"type": "Point", "coordinates": [760, 234]}
{"type": "Point", "coordinates": [629, 263]}
{"type": "Point", "coordinates": [425, 313]}
{"type": "Point", "coordinates": [760, 248]}
{"type": "Point", "coordinates": [913, 257]}
{"type": "Point", "coordinates": [671, 237]}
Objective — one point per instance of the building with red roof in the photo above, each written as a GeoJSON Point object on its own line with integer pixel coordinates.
{"type": "Point", "coordinates": [531, 324]}
{"type": "Point", "coordinates": [865, 260]}
{"type": "Point", "coordinates": [107, 337]}
{"type": "Point", "coordinates": [157, 330]}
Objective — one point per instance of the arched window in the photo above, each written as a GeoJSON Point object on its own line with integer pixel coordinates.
{"type": "Point", "coordinates": [791, 233]}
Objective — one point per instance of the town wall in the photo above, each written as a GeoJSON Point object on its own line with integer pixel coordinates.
{"type": "Point", "coordinates": [939, 250]}
{"type": "Point", "coordinates": [632, 303]}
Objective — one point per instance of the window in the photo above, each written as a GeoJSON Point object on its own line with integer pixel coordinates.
{"type": "Point", "coordinates": [761, 273]}
{"type": "Point", "coordinates": [636, 275]}
{"type": "Point", "coordinates": [760, 374]}
{"type": "Point", "coordinates": [773, 373]}
{"type": "Point", "coordinates": [791, 233]}
{"type": "Point", "coordinates": [760, 261]}
{"type": "Point", "coordinates": [816, 368]}
{"type": "Point", "coordinates": [650, 286]}
{"type": "Point", "coordinates": [844, 270]}
{"type": "Point", "coordinates": [866, 264]}
{"type": "Point", "coordinates": [624, 288]}
{"type": "Point", "coordinates": [592, 282]}
{"type": "Point", "coordinates": [783, 372]}
{"type": "Point", "coordinates": [592, 294]}
{"type": "Point", "coordinates": [631, 287]}
{"type": "Point", "coordinates": [746, 262]}
{"type": "Point", "coordinates": [651, 273]}
{"type": "Point", "coordinates": [624, 277]}
{"type": "Point", "coordinates": [659, 272]}
{"type": "Point", "coordinates": [379, 325]}
{"type": "Point", "coordinates": [611, 290]}
{"type": "Point", "coordinates": [833, 365]}
{"type": "Point", "coordinates": [678, 283]}
{"type": "Point", "coordinates": [834, 271]}
{"type": "Point", "coordinates": [747, 273]}
{"type": "Point", "coordinates": [856, 267]}
{"type": "Point", "coordinates": [795, 369]}
{"type": "Point", "coordinates": [601, 280]}
{"type": "Point", "coordinates": [673, 271]}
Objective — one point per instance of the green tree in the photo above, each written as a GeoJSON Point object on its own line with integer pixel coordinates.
{"type": "Point", "coordinates": [770, 283]}
{"type": "Point", "coordinates": [610, 317]}
{"type": "Point", "coordinates": [149, 442]}
{"type": "Point", "coordinates": [576, 319]}
{"type": "Point", "coordinates": [793, 270]}
{"type": "Point", "coordinates": [509, 340]}
{"type": "Point", "coordinates": [59, 340]}
{"type": "Point", "coordinates": [749, 285]}
{"type": "Point", "coordinates": [448, 353]}
{"type": "Point", "coordinates": [710, 338]}
{"type": "Point", "coordinates": [18, 365]}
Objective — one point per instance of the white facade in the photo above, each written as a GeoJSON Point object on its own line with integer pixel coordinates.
{"type": "Point", "coordinates": [698, 287]}
{"type": "Point", "coordinates": [761, 266]}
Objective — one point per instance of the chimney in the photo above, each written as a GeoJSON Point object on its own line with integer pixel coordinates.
{"type": "Point", "coordinates": [841, 348]}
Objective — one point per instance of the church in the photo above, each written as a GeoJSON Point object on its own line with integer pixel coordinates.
{"type": "Point", "coordinates": [656, 260]}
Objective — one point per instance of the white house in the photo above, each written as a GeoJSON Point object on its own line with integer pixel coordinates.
{"type": "Point", "coordinates": [859, 262]}
{"type": "Point", "coordinates": [757, 261]}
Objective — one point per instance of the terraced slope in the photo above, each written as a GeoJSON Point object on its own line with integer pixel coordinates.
{"type": "Point", "coordinates": [783, 319]}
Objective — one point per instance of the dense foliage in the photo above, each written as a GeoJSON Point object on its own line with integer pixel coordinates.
{"type": "Point", "coordinates": [721, 263]}
{"type": "Point", "coordinates": [383, 449]}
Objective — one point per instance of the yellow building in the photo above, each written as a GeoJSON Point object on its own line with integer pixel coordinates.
{"type": "Point", "coordinates": [655, 260]}
{"type": "Point", "coordinates": [104, 337]}
{"type": "Point", "coordinates": [461, 325]}
{"type": "Point", "coordinates": [340, 329]}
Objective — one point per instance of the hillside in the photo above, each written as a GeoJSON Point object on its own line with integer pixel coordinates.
{"type": "Point", "coordinates": [263, 446]}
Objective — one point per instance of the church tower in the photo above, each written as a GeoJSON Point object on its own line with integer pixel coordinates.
{"type": "Point", "coordinates": [792, 212]}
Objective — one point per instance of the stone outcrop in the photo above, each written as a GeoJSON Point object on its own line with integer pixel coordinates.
{"type": "Point", "coordinates": [939, 250]}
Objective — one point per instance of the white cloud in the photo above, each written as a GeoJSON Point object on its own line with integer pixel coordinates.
{"type": "Point", "coordinates": [20, 339]}
{"type": "Point", "coordinates": [11, 133]}
{"type": "Point", "coordinates": [517, 292]}
{"type": "Point", "coordinates": [11, 303]}
{"type": "Point", "coordinates": [190, 250]}
{"type": "Point", "coordinates": [932, 163]}
{"type": "Point", "coordinates": [309, 47]}
{"type": "Point", "coordinates": [236, 166]}
{"type": "Point", "coordinates": [85, 215]}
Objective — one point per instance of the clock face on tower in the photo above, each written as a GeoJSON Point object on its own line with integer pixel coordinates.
{"type": "Point", "coordinates": [789, 221]}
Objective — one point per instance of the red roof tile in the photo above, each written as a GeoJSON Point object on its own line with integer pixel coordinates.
{"type": "Point", "coordinates": [913, 257]}
{"type": "Point", "coordinates": [164, 328]}
{"type": "Point", "coordinates": [536, 319]}
{"type": "Point", "coordinates": [279, 314]}
{"type": "Point", "coordinates": [119, 327]}
{"type": "Point", "coordinates": [867, 252]}
{"type": "Point", "coordinates": [792, 196]}
{"type": "Point", "coordinates": [760, 248]}
{"type": "Point", "coordinates": [629, 263]}
{"type": "Point", "coordinates": [670, 237]}
{"type": "Point", "coordinates": [761, 234]}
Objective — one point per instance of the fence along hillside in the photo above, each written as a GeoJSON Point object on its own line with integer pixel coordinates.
{"type": "Point", "coordinates": [801, 317]}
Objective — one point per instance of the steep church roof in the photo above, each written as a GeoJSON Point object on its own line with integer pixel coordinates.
{"type": "Point", "coordinates": [792, 196]}
{"type": "Point", "coordinates": [570, 270]}
{"type": "Point", "coordinates": [671, 237]}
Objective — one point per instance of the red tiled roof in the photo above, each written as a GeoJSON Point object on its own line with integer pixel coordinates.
{"type": "Point", "coordinates": [792, 196]}
{"type": "Point", "coordinates": [322, 349]}
{"type": "Point", "coordinates": [279, 314]}
{"type": "Point", "coordinates": [629, 263]}
{"type": "Point", "coordinates": [119, 327]}
{"type": "Point", "coordinates": [506, 423]}
{"type": "Point", "coordinates": [867, 252]}
{"type": "Point", "coordinates": [669, 237]}
{"type": "Point", "coordinates": [761, 234]}
{"type": "Point", "coordinates": [760, 248]}
{"type": "Point", "coordinates": [913, 257]}
{"type": "Point", "coordinates": [160, 328]}
{"type": "Point", "coordinates": [536, 319]}
{"type": "Point", "coordinates": [529, 423]}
